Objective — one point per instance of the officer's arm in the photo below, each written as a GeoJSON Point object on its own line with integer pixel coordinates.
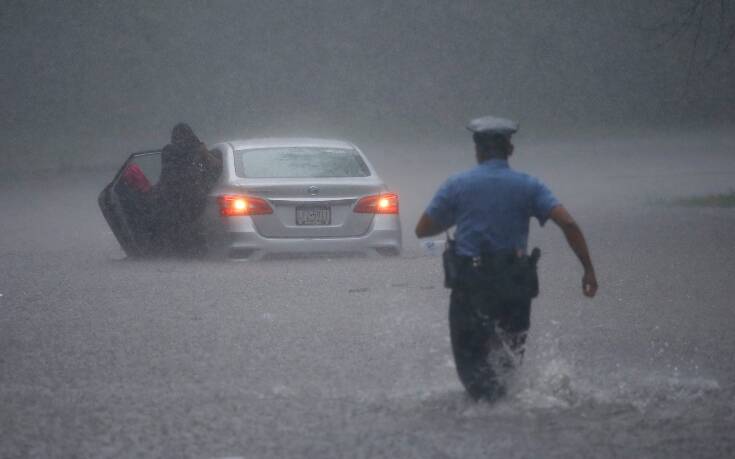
{"type": "Point", "coordinates": [576, 241]}
{"type": "Point", "coordinates": [427, 227]}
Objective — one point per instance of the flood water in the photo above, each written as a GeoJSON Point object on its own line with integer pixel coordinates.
{"type": "Point", "coordinates": [335, 357]}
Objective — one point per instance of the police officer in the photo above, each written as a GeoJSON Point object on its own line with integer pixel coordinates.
{"type": "Point", "coordinates": [492, 277]}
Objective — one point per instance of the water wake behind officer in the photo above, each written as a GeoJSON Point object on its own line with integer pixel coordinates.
{"type": "Point", "coordinates": [492, 277]}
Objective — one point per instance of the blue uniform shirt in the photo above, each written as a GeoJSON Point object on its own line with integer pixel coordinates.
{"type": "Point", "coordinates": [491, 205]}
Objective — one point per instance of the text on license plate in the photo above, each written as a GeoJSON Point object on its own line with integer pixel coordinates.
{"type": "Point", "coordinates": [313, 215]}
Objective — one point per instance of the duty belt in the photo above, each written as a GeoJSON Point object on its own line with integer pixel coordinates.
{"type": "Point", "coordinates": [484, 260]}
{"type": "Point", "coordinates": [508, 275]}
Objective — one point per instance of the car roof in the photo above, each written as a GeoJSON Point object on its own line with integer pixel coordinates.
{"type": "Point", "coordinates": [272, 142]}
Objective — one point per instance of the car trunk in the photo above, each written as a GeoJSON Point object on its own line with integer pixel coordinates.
{"type": "Point", "coordinates": [309, 208]}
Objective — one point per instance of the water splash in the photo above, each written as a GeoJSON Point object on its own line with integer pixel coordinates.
{"type": "Point", "coordinates": [551, 381]}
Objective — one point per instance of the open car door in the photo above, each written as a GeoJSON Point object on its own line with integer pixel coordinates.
{"type": "Point", "coordinates": [129, 202]}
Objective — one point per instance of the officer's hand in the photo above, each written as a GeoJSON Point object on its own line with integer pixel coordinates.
{"type": "Point", "coordinates": [589, 284]}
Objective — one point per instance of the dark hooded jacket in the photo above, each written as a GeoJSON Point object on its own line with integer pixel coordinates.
{"type": "Point", "coordinates": [186, 178]}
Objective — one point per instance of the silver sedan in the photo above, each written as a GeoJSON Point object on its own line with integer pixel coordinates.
{"type": "Point", "coordinates": [281, 195]}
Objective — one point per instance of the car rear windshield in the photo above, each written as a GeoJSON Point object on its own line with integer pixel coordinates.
{"type": "Point", "coordinates": [299, 162]}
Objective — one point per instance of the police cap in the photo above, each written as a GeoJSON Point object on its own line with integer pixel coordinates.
{"type": "Point", "coordinates": [491, 126]}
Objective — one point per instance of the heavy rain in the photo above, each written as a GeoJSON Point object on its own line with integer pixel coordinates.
{"type": "Point", "coordinates": [626, 113]}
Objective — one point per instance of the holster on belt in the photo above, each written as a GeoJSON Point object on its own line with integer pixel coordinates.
{"type": "Point", "coordinates": [506, 274]}
{"type": "Point", "coordinates": [452, 264]}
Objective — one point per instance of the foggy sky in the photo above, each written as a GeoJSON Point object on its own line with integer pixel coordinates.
{"type": "Point", "coordinates": [87, 81]}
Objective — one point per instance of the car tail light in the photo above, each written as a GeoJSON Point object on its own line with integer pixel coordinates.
{"type": "Point", "coordinates": [384, 203]}
{"type": "Point", "coordinates": [239, 206]}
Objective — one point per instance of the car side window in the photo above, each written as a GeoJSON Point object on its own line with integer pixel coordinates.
{"type": "Point", "coordinates": [221, 158]}
{"type": "Point", "coordinates": [217, 154]}
{"type": "Point", "coordinates": [142, 172]}
{"type": "Point", "coordinates": [150, 165]}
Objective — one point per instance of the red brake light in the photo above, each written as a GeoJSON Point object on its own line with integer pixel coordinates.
{"type": "Point", "coordinates": [240, 205]}
{"type": "Point", "coordinates": [384, 203]}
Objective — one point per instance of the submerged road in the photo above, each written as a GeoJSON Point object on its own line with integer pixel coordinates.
{"type": "Point", "coordinates": [350, 357]}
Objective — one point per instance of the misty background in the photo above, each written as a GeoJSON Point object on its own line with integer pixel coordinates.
{"type": "Point", "coordinates": [85, 82]}
{"type": "Point", "coordinates": [625, 107]}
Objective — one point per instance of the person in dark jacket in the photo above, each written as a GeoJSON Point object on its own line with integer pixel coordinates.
{"type": "Point", "coordinates": [188, 172]}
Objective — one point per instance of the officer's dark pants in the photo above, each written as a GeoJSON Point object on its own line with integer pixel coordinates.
{"type": "Point", "coordinates": [483, 330]}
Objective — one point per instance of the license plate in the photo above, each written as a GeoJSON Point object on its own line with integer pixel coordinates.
{"type": "Point", "coordinates": [313, 216]}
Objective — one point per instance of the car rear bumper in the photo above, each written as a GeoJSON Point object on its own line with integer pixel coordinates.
{"type": "Point", "coordinates": [241, 240]}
